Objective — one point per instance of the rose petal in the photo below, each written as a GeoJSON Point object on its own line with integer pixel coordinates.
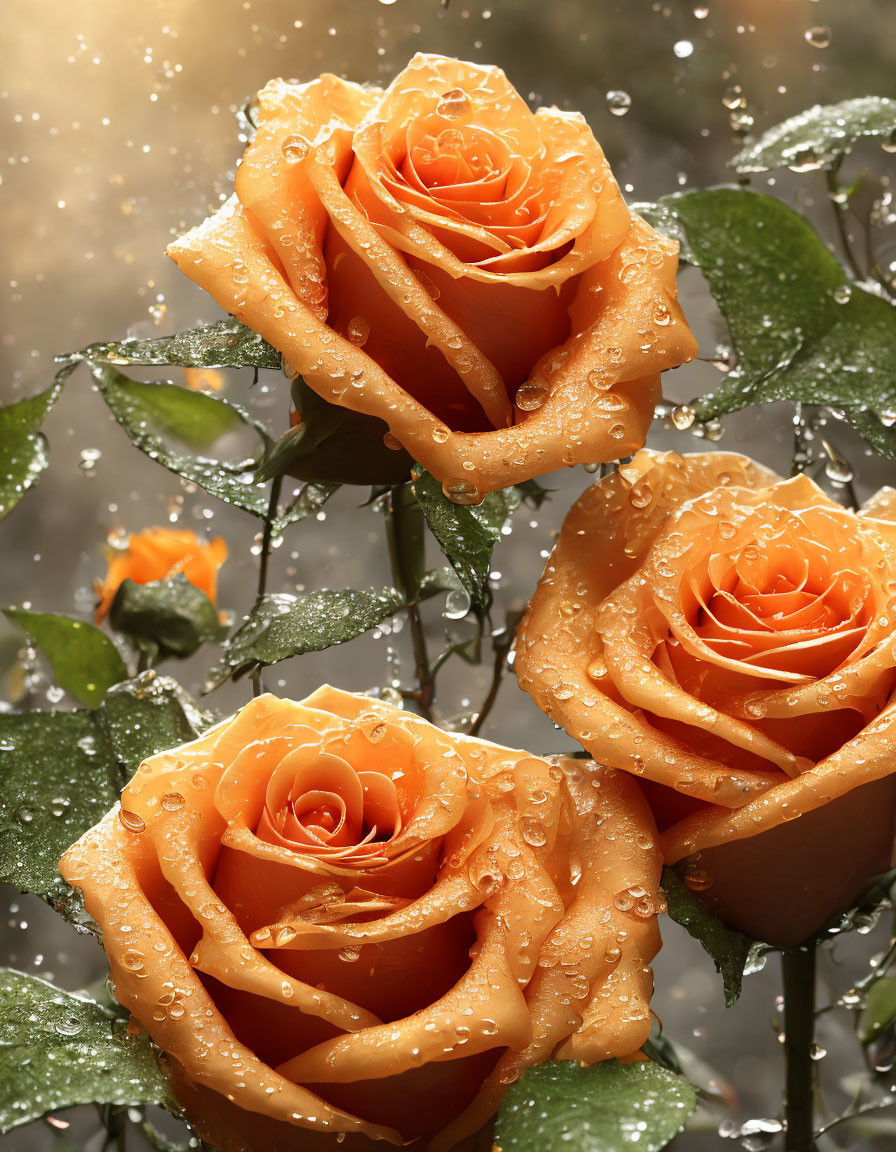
{"type": "Point", "coordinates": [103, 867]}
{"type": "Point", "coordinates": [278, 192]}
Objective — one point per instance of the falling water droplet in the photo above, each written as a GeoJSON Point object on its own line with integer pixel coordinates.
{"type": "Point", "coordinates": [618, 102]}
{"type": "Point", "coordinates": [818, 36]}
{"type": "Point", "coordinates": [88, 461]}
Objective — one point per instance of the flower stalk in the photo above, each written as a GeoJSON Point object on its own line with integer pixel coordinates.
{"type": "Point", "coordinates": [798, 970]}
{"type": "Point", "coordinates": [406, 538]}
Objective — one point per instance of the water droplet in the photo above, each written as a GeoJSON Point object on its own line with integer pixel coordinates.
{"type": "Point", "coordinates": [350, 955]}
{"type": "Point", "coordinates": [132, 960]}
{"type": "Point", "coordinates": [640, 495]}
{"type": "Point", "coordinates": [804, 160]}
{"type": "Point", "coordinates": [618, 102]}
{"type": "Point", "coordinates": [741, 120]}
{"type": "Point", "coordinates": [440, 434]}
{"type": "Point", "coordinates": [358, 331]}
{"type": "Point", "coordinates": [697, 880]}
{"type": "Point", "coordinates": [460, 491]}
{"type": "Point", "coordinates": [683, 416]}
{"type": "Point", "coordinates": [530, 397]}
{"type": "Point", "coordinates": [842, 294]}
{"type": "Point", "coordinates": [839, 470]}
{"type": "Point", "coordinates": [131, 821]}
{"type": "Point", "coordinates": [661, 315]}
{"type": "Point", "coordinates": [818, 36]}
{"type": "Point", "coordinates": [392, 442]}
{"type": "Point", "coordinates": [617, 431]}
{"type": "Point", "coordinates": [172, 801]}
{"type": "Point", "coordinates": [88, 461]}
{"type": "Point", "coordinates": [295, 149]}
{"type": "Point", "coordinates": [533, 832]}
{"type": "Point", "coordinates": [683, 49]}
{"type": "Point", "coordinates": [734, 97]}
{"type": "Point", "coordinates": [68, 1026]}
{"type": "Point", "coordinates": [454, 104]}
{"type": "Point", "coordinates": [457, 604]}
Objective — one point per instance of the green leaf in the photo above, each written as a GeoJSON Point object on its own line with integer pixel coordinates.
{"type": "Point", "coordinates": [607, 1107]}
{"type": "Point", "coordinates": [194, 418]}
{"type": "Point", "coordinates": [466, 534]}
{"type": "Point", "coordinates": [165, 617]}
{"type": "Point", "coordinates": [23, 454]}
{"type": "Point", "coordinates": [821, 135]}
{"type": "Point", "coordinates": [333, 444]}
{"type": "Point", "coordinates": [57, 1050]}
{"type": "Point", "coordinates": [84, 660]}
{"type": "Point", "coordinates": [147, 715]}
{"type": "Point", "coordinates": [59, 778]}
{"type": "Point", "coordinates": [879, 1011]}
{"type": "Point", "coordinates": [729, 949]}
{"type": "Point", "coordinates": [310, 500]}
{"type": "Point", "coordinates": [63, 771]}
{"type": "Point", "coordinates": [281, 625]}
{"type": "Point", "coordinates": [801, 329]}
{"type": "Point", "coordinates": [143, 412]}
{"type": "Point", "coordinates": [224, 344]}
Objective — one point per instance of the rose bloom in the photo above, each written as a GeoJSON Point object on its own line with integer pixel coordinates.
{"type": "Point", "coordinates": [730, 638]}
{"type": "Point", "coordinates": [335, 917]}
{"type": "Point", "coordinates": [160, 554]}
{"type": "Point", "coordinates": [440, 257]}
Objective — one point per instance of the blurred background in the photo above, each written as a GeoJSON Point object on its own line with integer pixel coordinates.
{"type": "Point", "coordinates": [119, 131]}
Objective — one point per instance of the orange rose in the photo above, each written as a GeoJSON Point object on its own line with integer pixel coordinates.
{"type": "Point", "coordinates": [441, 258]}
{"type": "Point", "coordinates": [333, 916]}
{"type": "Point", "coordinates": [161, 554]}
{"type": "Point", "coordinates": [731, 638]}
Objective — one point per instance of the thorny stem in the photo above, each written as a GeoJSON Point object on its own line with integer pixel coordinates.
{"type": "Point", "coordinates": [266, 536]}
{"type": "Point", "coordinates": [840, 221]}
{"type": "Point", "coordinates": [406, 542]}
{"type": "Point", "coordinates": [798, 969]}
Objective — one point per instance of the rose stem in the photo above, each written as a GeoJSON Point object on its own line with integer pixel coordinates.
{"type": "Point", "coordinates": [798, 970]}
{"type": "Point", "coordinates": [501, 645]}
{"type": "Point", "coordinates": [266, 536]}
{"type": "Point", "coordinates": [264, 556]}
{"type": "Point", "coordinates": [405, 535]}
{"type": "Point", "coordinates": [834, 192]}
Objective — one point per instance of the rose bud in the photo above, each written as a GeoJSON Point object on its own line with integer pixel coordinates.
{"type": "Point", "coordinates": [730, 638]}
{"type": "Point", "coordinates": [332, 916]}
{"type": "Point", "coordinates": [442, 259]}
{"type": "Point", "coordinates": [160, 554]}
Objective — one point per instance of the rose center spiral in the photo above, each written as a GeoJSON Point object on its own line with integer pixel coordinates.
{"type": "Point", "coordinates": [323, 806]}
